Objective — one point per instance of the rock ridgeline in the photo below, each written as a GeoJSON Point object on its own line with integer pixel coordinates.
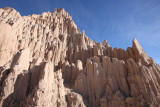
{"type": "Point", "coordinates": [45, 61]}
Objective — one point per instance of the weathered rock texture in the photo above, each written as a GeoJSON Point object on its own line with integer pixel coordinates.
{"type": "Point", "coordinates": [45, 61]}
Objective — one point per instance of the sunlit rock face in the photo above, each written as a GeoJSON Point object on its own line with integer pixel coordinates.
{"type": "Point", "coordinates": [45, 61]}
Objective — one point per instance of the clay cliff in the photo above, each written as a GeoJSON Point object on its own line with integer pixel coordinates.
{"type": "Point", "coordinates": [45, 61]}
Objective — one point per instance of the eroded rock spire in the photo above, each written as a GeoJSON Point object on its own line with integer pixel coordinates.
{"type": "Point", "coordinates": [46, 61]}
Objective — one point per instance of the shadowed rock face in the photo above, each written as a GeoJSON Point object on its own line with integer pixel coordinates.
{"type": "Point", "coordinates": [45, 61]}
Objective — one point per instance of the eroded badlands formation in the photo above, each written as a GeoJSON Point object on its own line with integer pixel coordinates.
{"type": "Point", "coordinates": [45, 61]}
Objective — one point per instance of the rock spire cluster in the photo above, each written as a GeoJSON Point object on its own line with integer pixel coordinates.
{"type": "Point", "coordinates": [45, 61]}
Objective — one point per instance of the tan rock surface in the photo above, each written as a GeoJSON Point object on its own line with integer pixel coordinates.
{"type": "Point", "coordinates": [45, 61]}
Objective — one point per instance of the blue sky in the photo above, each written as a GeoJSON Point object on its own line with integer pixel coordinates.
{"type": "Point", "coordinates": [117, 21]}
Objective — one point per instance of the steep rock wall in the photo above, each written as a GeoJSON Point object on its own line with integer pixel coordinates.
{"type": "Point", "coordinates": [46, 61]}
